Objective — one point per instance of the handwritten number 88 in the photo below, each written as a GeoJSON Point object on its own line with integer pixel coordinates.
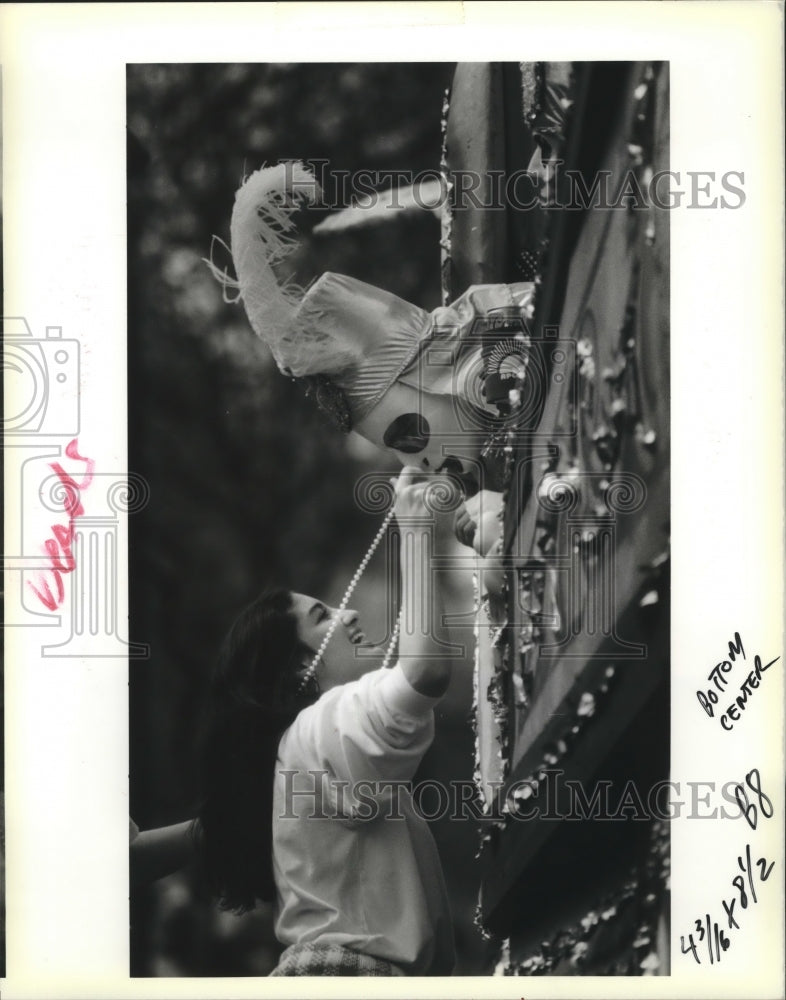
{"type": "Point", "coordinates": [748, 808]}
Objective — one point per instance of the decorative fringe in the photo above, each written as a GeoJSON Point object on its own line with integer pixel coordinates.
{"type": "Point", "coordinates": [221, 275]}
{"type": "Point", "coordinates": [263, 235]}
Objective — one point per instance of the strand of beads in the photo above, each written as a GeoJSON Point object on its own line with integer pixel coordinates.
{"type": "Point", "coordinates": [345, 601]}
{"type": "Point", "coordinates": [393, 641]}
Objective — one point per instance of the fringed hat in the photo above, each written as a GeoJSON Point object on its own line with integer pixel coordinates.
{"type": "Point", "coordinates": [407, 380]}
{"type": "Point", "coordinates": [357, 336]}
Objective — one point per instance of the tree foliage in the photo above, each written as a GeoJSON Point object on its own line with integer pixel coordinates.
{"type": "Point", "coordinates": [249, 483]}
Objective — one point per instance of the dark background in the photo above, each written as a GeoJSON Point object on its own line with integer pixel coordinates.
{"type": "Point", "coordinates": [249, 483]}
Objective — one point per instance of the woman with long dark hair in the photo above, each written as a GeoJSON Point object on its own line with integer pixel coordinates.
{"type": "Point", "coordinates": [308, 754]}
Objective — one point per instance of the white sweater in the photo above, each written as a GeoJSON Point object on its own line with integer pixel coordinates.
{"type": "Point", "coordinates": [354, 863]}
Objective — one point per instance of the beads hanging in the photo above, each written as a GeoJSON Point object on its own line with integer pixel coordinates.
{"type": "Point", "coordinates": [309, 674]}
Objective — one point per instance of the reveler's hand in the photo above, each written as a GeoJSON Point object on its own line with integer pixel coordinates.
{"type": "Point", "coordinates": [410, 493]}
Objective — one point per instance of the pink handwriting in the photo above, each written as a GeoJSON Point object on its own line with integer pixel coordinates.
{"type": "Point", "coordinates": [59, 548]}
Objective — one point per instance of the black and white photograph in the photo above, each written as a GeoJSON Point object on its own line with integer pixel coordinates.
{"type": "Point", "coordinates": [394, 530]}
{"type": "Point", "coordinates": [401, 402]}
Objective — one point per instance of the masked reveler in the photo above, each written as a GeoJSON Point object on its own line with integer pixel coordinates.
{"type": "Point", "coordinates": [427, 387]}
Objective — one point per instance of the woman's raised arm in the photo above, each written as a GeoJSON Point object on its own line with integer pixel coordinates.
{"type": "Point", "coordinates": [423, 658]}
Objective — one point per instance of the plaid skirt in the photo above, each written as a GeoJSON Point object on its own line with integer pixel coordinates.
{"type": "Point", "coordinates": [313, 959]}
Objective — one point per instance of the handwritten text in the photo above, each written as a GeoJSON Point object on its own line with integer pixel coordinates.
{"type": "Point", "coordinates": [719, 680]}
{"type": "Point", "coordinates": [708, 933]}
{"type": "Point", "coordinates": [59, 548]}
